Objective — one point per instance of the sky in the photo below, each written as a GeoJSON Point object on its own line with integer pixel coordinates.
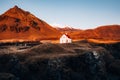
{"type": "Point", "coordinates": [82, 14]}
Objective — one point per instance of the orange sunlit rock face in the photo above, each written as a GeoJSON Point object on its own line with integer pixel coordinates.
{"type": "Point", "coordinates": [108, 32]}
{"type": "Point", "coordinates": [17, 24]}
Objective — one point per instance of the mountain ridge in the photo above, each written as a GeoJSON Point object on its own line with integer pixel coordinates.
{"type": "Point", "coordinates": [19, 24]}
{"type": "Point", "coordinates": [105, 32]}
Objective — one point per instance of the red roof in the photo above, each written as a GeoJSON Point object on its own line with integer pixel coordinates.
{"type": "Point", "coordinates": [67, 35]}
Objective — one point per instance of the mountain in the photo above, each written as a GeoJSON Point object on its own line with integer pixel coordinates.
{"type": "Point", "coordinates": [108, 32]}
{"type": "Point", "coordinates": [17, 24]}
{"type": "Point", "coordinates": [67, 29]}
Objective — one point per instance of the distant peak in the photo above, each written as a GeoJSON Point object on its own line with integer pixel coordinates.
{"type": "Point", "coordinates": [16, 7]}
{"type": "Point", "coordinates": [16, 12]}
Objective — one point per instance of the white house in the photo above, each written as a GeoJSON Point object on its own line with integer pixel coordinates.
{"type": "Point", "coordinates": [65, 39]}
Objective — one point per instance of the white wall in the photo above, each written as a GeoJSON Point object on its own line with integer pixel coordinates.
{"type": "Point", "coordinates": [65, 39]}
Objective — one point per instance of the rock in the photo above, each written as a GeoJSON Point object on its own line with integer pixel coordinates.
{"type": "Point", "coordinates": [94, 63]}
{"type": "Point", "coordinates": [7, 76]}
{"type": "Point", "coordinates": [10, 63]}
{"type": "Point", "coordinates": [114, 67]}
{"type": "Point", "coordinates": [95, 66]}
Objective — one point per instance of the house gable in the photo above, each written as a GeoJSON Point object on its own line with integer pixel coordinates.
{"type": "Point", "coordinates": [65, 39]}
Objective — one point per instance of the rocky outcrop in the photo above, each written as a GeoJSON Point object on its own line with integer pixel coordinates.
{"type": "Point", "coordinates": [83, 67]}
{"type": "Point", "coordinates": [95, 63]}
{"type": "Point", "coordinates": [7, 76]}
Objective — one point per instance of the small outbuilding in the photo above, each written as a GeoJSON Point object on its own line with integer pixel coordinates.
{"type": "Point", "coordinates": [65, 39]}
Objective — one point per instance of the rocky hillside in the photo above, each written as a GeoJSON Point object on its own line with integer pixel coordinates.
{"type": "Point", "coordinates": [76, 61]}
{"type": "Point", "coordinates": [19, 24]}
{"type": "Point", "coordinates": [108, 32]}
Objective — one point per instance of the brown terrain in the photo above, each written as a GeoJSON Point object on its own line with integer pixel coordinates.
{"type": "Point", "coordinates": [109, 33]}
{"type": "Point", "coordinates": [17, 24]}
{"type": "Point", "coordinates": [74, 61]}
